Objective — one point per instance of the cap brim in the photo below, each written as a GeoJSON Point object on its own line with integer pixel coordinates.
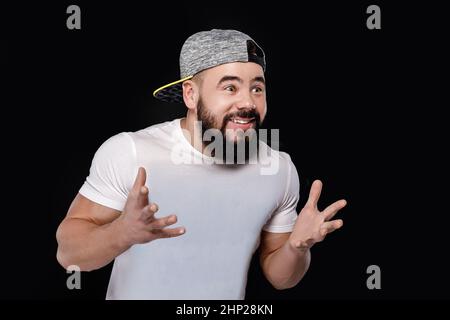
{"type": "Point", "coordinates": [172, 92]}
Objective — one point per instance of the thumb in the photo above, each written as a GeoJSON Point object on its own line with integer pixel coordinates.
{"type": "Point", "coordinates": [139, 188]}
{"type": "Point", "coordinates": [140, 180]}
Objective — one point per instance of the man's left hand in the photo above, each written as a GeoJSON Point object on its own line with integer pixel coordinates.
{"type": "Point", "coordinates": [313, 225]}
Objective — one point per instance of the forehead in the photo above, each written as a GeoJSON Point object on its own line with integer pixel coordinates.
{"type": "Point", "coordinates": [244, 70]}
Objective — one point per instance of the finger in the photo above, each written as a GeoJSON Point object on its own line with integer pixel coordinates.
{"type": "Point", "coordinates": [149, 211]}
{"type": "Point", "coordinates": [333, 208]}
{"type": "Point", "coordinates": [140, 179]}
{"type": "Point", "coordinates": [139, 192]}
{"type": "Point", "coordinates": [314, 193]}
{"type": "Point", "coordinates": [140, 189]}
{"type": "Point", "coordinates": [330, 226]}
{"type": "Point", "coordinates": [142, 199]}
{"type": "Point", "coordinates": [163, 222]}
{"type": "Point", "coordinates": [170, 233]}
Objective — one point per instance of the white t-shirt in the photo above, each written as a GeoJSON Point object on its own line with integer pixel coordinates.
{"type": "Point", "coordinates": [223, 208]}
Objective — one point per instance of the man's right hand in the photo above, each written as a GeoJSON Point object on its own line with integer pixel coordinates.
{"type": "Point", "coordinates": [137, 223]}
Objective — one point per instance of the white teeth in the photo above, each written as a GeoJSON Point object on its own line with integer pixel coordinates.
{"type": "Point", "coordinates": [240, 121]}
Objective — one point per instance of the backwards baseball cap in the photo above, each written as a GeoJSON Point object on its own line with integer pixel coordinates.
{"type": "Point", "coordinates": [207, 49]}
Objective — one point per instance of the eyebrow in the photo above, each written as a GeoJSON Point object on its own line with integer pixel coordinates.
{"type": "Point", "coordinates": [235, 78]}
{"type": "Point", "coordinates": [259, 79]}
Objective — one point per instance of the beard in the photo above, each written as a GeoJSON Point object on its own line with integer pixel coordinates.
{"type": "Point", "coordinates": [242, 143]}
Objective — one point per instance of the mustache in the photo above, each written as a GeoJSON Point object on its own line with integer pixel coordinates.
{"type": "Point", "coordinates": [250, 113]}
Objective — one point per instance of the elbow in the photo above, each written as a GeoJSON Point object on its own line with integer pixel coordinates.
{"type": "Point", "coordinates": [62, 260]}
{"type": "Point", "coordinates": [280, 283]}
{"type": "Point", "coordinates": [284, 282]}
{"type": "Point", "coordinates": [69, 263]}
{"type": "Point", "coordinates": [60, 256]}
{"type": "Point", "coordinates": [283, 286]}
{"type": "Point", "coordinates": [278, 286]}
{"type": "Point", "coordinates": [287, 283]}
{"type": "Point", "coordinates": [68, 255]}
{"type": "Point", "coordinates": [63, 256]}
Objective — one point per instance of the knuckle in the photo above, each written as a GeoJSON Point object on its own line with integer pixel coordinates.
{"type": "Point", "coordinates": [160, 224]}
{"type": "Point", "coordinates": [154, 207]}
{"type": "Point", "coordinates": [156, 224]}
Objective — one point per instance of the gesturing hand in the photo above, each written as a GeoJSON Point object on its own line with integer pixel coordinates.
{"type": "Point", "coordinates": [137, 221]}
{"type": "Point", "coordinates": [313, 225]}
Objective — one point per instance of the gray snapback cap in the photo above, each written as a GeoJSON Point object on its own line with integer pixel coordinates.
{"type": "Point", "coordinates": [207, 49]}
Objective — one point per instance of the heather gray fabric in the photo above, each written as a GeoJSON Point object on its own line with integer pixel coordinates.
{"type": "Point", "coordinates": [207, 49]}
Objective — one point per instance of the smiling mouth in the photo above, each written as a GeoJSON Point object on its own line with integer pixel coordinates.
{"type": "Point", "coordinates": [242, 120]}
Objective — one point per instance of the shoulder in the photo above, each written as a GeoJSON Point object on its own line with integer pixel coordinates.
{"type": "Point", "coordinates": [116, 145]}
{"type": "Point", "coordinates": [126, 141]}
{"type": "Point", "coordinates": [279, 162]}
{"type": "Point", "coordinates": [165, 130]}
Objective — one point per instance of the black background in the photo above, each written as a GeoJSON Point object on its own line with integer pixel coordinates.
{"type": "Point", "coordinates": [362, 110]}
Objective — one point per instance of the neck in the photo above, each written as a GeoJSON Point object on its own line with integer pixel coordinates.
{"type": "Point", "coordinates": [192, 133]}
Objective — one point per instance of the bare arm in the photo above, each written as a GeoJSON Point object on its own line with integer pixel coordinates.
{"type": "Point", "coordinates": [285, 257]}
{"type": "Point", "coordinates": [88, 236]}
{"type": "Point", "coordinates": [283, 265]}
{"type": "Point", "coordinates": [93, 235]}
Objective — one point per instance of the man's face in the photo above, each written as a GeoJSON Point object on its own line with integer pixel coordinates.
{"type": "Point", "coordinates": [232, 98]}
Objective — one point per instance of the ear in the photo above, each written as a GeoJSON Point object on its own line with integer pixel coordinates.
{"type": "Point", "coordinates": [190, 94]}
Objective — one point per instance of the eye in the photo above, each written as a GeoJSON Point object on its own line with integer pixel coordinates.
{"type": "Point", "coordinates": [230, 88]}
{"type": "Point", "coordinates": [258, 89]}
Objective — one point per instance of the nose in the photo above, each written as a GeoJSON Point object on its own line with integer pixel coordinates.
{"type": "Point", "coordinates": [246, 102]}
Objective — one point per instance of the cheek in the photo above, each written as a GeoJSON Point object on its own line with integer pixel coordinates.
{"type": "Point", "coordinates": [262, 110]}
{"type": "Point", "coordinates": [219, 105]}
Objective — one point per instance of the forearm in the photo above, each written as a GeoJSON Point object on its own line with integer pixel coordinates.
{"type": "Point", "coordinates": [87, 245]}
{"type": "Point", "coordinates": [285, 267]}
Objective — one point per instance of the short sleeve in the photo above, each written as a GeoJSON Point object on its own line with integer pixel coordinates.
{"type": "Point", "coordinates": [112, 172]}
{"type": "Point", "coordinates": [284, 217]}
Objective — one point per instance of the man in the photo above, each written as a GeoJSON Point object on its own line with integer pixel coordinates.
{"type": "Point", "coordinates": [138, 189]}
